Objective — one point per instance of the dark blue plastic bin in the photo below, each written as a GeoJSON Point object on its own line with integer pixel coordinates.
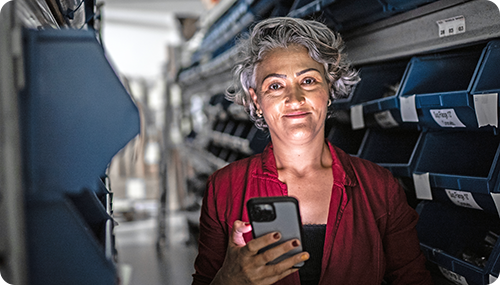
{"type": "Point", "coordinates": [377, 81]}
{"type": "Point", "coordinates": [63, 247]}
{"type": "Point", "coordinates": [441, 82]}
{"type": "Point", "coordinates": [351, 14]}
{"type": "Point", "coordinates": [404, 5]}
{"type": "Point", "coordinates": [345, 138]}
{"type": "Point", "coordinates": [260, 7]}
{"type": "Point", "coordinates": [394, 150]}
{"type": "Point", "coordinates": [487, 79]}
{"type": "Point", "coordinates": [377, 92]}
{"type": "Point", "coordinates": [464, 161]}
{"type": "Point", "coordinates": [304, 8]}
{"type": "Point", "coordinates": [451, 235]}
{"type": "Point", "coordinates": [76, 113]}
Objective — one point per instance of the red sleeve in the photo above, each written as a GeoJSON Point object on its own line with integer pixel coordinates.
{"type": "Point", "coordinates": [405, 261]}
{"type": "Point", "coordinates": [212, 241]}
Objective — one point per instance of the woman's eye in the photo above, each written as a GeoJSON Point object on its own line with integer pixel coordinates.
{"type": "Point", "coordinates": [308, 81]}
{"type": "Point", "coordinates": [274, 86]}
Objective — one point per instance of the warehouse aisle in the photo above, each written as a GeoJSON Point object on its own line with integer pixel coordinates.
{"type": "Point", "coordinates": [139, 261]}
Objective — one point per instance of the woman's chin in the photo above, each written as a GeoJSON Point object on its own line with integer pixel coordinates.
{"type": "Point", "coordinates": [301, 136]}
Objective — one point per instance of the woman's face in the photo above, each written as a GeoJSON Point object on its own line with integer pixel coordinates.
{"type": "Point", "coordinates": [292, 92]}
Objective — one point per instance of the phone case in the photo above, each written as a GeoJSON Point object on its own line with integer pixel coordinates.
{"type": "Point", "coordinates": [286, 221]}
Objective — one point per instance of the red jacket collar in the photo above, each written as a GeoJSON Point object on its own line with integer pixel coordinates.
{"type": "Point", "coordinates": [342, 168]}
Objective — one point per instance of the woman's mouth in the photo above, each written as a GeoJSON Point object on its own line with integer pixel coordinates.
{"type": "Point", "coordinates": [296, 115]}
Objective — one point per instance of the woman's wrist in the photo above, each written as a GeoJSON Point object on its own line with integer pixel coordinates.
{"type": "Point", "coordinates": [221, 278]}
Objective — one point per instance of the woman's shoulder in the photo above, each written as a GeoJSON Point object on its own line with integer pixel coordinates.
{"type": "Point", "coordinates": [374, 184]}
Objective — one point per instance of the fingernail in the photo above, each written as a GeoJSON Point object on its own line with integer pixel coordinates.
{"type": "Point", "coordinates": [295, 243]}
{"type": "Point", "coordinates": [247, 223]}
{"type": "Point", "coordinates": [276, 236]}
{"type": "Point", "coordinates": [304, 257]}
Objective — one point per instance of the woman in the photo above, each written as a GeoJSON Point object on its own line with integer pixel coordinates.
{"type": "Point", "coordinates": [358, 227]}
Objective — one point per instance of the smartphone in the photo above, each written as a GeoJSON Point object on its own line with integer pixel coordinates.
{"type": "Point", "coordinates": [276, 214]}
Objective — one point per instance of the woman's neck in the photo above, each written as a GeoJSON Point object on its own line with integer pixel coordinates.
{"type": "Point", "coordinates": [301, 159]}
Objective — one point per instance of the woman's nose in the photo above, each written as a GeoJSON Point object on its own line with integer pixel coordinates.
{"type": "Point", "coordinates": [295, 96]}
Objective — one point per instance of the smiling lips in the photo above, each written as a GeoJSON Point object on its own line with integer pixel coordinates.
{"type": "Point", "coordinates": [296, 115]}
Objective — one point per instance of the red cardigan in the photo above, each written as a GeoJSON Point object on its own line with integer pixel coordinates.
{"type": "Point", "coordinates": [370, 234]}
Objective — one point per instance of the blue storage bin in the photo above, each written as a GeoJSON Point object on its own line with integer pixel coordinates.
{"type": "Point", "coordinates": [76, 116]}
{"type": "Point", "coordinates": [495, 271]}
{"type": "Point", "coordinates": [441, 83]}
{"type": "Point", "coordinates": [281, 9]}
{"type": "Point", "coordinates": [456, 238]}
{"type": "Point", "coordinates": [351, 14]}
{"type": "Point", "coordinates": [404, 5]}
{"type": "Point", "coordinates": [92, 211]}
{"type": "Point", "coordinates": [377, 81]}
{"type": "Point", "coordinates": [377, 92]}
{"type": "Point", "coordinates": [63, 247]}
{"type": "Point", "coordinates": [463, 161]}
{"type": "Point", "coordinates": [304, 8]}
{"type": "Point", "coordinates": [487, 79]}
{"type": "Point", "coordinates": [258, 139]}
{"type": "Point", "coordinates": [394, 150]}
{"type": "Point", "coordinates": [345, 138]}
{"type": "Point", "coordinates": [76, 113]}
{"type": "Point", "coordinates": [261, 7]}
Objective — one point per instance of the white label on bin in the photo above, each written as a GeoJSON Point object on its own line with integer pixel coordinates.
{"type": "Point", "coordinates": [451, 26]}
{"type": "Point", "coordinates": [486, 106]}
{"type": "Point", "coordinates": [385, 119]}
{"type": "Point", "coordinates": [463, 199]}
{"type": "Point", "coordinates": [496, 199]}
{"type": "Point", "coordinates": [452, 276]}
{"type": "Point", "coordinates": [357, 120]}
{"type": "Point", "coordinates": [446, 118]}
{"type": "Point", "coordinates": [422, 186]}
{"type": "Point", "coordinates": [493, 279]}
{"type": "Point", "coordinates": [408, 109]}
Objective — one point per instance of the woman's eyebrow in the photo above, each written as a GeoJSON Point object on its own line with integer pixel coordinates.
{"type": "Point", "coordinates": [273, 75]}
{"type": "Point", "coordinates": [307, 70]}
{"type": "Point", "coordinates": [284, 75]}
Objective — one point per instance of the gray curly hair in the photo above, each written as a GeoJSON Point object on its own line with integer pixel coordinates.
{"type": "Point", "coordinates": [324, 46]}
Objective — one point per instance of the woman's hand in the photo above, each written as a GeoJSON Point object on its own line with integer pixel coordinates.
{"type": "Point", "coordinates": [243, 264]}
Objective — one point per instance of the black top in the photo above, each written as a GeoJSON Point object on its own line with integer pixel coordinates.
{"type": "Point", "coordinates": [313, 240]}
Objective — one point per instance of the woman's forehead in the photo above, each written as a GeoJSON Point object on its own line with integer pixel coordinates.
{"type": "Point", "coordinates": [291, 59]}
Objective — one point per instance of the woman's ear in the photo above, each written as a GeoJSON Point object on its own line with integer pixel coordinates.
{"type": "Point", "coordinates": [254, 97]}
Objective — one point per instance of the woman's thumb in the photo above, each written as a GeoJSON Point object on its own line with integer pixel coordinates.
{"type": "Point", "coordinates": [240, 228]}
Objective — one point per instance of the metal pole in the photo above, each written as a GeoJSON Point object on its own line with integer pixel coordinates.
{"type": "Point", "coordinates": [90, 13]}
{"type": "Point", "coordinates": [11, 177]}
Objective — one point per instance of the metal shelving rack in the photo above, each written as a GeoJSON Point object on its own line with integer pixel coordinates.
{"type": "Point", "coordinates": [417, 32]}
{"type": "Point", "coordinates": [12, 240]}
{"type": "Point", "coordinates": [383, 32]}
{"type": "Point", "coordinates": [64, 115]}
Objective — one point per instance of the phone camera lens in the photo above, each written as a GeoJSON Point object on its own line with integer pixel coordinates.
{"type": "Point", "coordinates": [263, 213]}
